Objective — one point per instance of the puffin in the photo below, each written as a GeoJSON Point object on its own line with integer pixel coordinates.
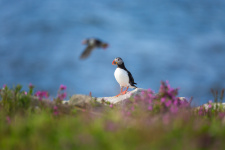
{"type": "Point", "coordinates": [92, 43]}
{"type": "Point", "coordinates": [123, 76]}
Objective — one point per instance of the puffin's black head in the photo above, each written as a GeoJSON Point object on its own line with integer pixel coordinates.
{"type": "Point", "coordinates": [95, 42]}
{"type": "Point", "coordinates": [117, 61]}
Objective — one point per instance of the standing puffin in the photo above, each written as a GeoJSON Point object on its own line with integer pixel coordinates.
{"type": "Point", "coordinates": [92, 43]}
{"type": "Point", "coordinates": [123, 76]}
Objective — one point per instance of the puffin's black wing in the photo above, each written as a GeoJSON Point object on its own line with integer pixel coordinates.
{"type": "Point", "coordinates": [131, 79]}
{"type": "Point", "coordinates": [87, 52]}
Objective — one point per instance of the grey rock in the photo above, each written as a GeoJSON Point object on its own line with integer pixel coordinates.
{"type": "Point", "coordinates": [121, 98]}
{"type": "Point", "coordinates": [66, 102]}
{"type": "Point", "coordinates": [79, 100]}
{"type": "Point", "coordinates": [213, 105]}
{"type": "Point", "coordinates": [83, 100]}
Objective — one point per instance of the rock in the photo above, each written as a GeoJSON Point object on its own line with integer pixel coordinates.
{"type": "Point", "coordinates": [121, 98]}
{"type": "Point", "coordinates": [66, 102]}
{"type": "Point", "coordinates": [79, 100]}
{"type": "Point", "coordinates": [83, 100]}
{"type": "Point", "coordinates": [213, 105]}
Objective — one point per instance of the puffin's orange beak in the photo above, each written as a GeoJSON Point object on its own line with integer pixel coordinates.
{"type": "Point", "coordinates": [113, 63]}
{"type": "Point", "coordinates": [105, 46]}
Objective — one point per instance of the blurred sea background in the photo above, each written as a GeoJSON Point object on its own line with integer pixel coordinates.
{"type": "Point", "coordinates": [182, 41]}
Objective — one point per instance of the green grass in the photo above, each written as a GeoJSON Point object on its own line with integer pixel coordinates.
{"type": "Point", "coordinates": [147, 121]}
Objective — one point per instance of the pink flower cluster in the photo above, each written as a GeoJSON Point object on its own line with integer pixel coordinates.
{"type": "Point", "coordinates": [165, 101]}
{"type": "Point", "coordinates": [62, 87]}
{"type": "Point", "coordinates": [55, 110]}
{"type": "Point", "coordinates": [8, 119]}
{"type": "Point", "coordinates": [206, 109]}
{"type": "Point", "coordinates": [63, 95]}
{"type": "Point", "coordinates": [31, 86]}
{"type": "Point", "coordinates": [41, 94]}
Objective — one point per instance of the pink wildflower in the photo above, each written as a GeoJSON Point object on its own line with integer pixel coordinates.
{"type": "Point", "coordinates": [149, 90]}
{"type": "Point", "coordinates": [170, 90]}
{"type": "Point", "coordinates": [41, 94]}
{"type": "Point", "coordinates": [136, 97]}
{"type": "Point", "coordinates": [173, 109]}
{"type": "Point", "coordinates": [161, 89]}
{"type": "Point", "coordinates": [62, 87]}
{"type": "Point", "coordinates": [168, 103]}
{"type": "Point", "coordinates": [56, 113]}
{"type": "Point", "coordinates": [209, 106]}
{"type": "Point", "coordinates": [150, 107]}
{"type": "Point", "coordinates": [200, 111]}
{"type": "Point", "coordinates": [31, 85]}
{"type": "Point", "coordinates": [221, 115]}
{"type": "Point", "coordinates": [150, 95]}
{"type": "Point", "coordinates": [8, 119]}
{"type": "Point", "coordinates": [168, 85]}
{"type": "Point", "coordinates": [111, 105]}
{"type": "Point", "coordinates": [62, 96]}
{"type": "Point", "coordinates": [175, 102]}
{"type": "Point", "coordinates": [25, 92]}
{"type": "Point", "coordinates": [55, 107]}
{"type": "Point", "coordinates": [37, 93]}
{"type": "Point", "coordinates": [45, 93]}
{"type": "Point", "coordinates": [163, 99]}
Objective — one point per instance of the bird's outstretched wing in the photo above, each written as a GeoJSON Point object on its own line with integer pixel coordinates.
{"type": "Point", "coordinates": [87, 52]}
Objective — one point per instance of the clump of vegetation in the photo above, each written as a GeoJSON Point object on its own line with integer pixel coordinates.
{"type": "Point", "coordinates": [29, 120]}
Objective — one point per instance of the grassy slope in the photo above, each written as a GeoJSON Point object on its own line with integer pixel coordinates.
{"type": "Point", "coordinates": [146, 122]}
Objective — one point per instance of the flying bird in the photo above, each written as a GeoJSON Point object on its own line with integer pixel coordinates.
{"type": "Point", "coordinates": [123, 76]}
{"type": "Point", "coordinates": [92, 43]}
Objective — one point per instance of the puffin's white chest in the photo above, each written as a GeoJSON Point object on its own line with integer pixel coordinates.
{"type": "Point", "coordinates": [122, 77]}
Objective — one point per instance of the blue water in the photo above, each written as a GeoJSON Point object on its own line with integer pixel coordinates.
{"type": "Point", "coordinates": [182, 41]}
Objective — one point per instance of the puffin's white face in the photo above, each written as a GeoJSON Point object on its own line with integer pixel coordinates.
{"type": "Point", "coordinates": [117, 61]}
{"type": "Point", "coordinates": [89, 42]}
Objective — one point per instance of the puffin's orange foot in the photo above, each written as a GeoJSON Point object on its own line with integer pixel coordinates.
{"type": "Point", "coordinates": [124, 92]}
{"type": "Point", "coordinates": [118, 95]}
